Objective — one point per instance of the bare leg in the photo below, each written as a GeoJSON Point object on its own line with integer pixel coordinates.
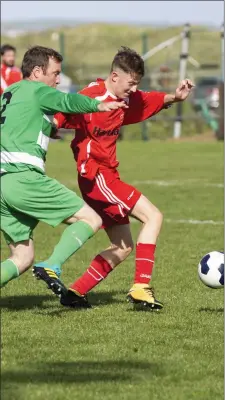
{"type": "Point", "coordinates": [151, 219]}
{"type": "Point", "coordinates": [21, 258]}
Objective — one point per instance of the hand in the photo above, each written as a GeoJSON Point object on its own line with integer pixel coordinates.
{"type": "Point", "coordinates": [111, 105]}
{"type": "Point", "coordinates": [183, 90]}
{"type": "Point", "coordinates": [54, 133]}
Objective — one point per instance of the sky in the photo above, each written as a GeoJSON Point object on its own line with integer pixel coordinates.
{"type": "Point", "coordinates": [171, 12]}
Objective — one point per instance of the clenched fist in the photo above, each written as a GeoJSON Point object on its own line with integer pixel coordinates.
{"type": "Point", "coordinates": [111, 105]}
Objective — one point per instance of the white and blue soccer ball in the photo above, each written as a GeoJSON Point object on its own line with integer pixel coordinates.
{"type": "Point", "coordinates": [211, 269]}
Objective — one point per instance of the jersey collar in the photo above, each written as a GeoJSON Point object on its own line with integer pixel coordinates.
{"type": "Point", "coordinates": [101, 81]}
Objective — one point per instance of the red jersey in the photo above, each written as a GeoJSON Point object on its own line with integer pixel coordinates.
{"type": "Point", "coordinates": [94, 145]}
{"type": "Point", "coordinates": [9, 75]}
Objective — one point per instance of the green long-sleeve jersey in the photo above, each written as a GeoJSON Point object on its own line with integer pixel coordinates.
{"type": "Point", "coordinates": [27, 108]}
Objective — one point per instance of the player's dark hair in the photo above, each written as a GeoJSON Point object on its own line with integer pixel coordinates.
{"type": "Point", "coordinates": [38, 56]}
{"type": "Point", "coordinates": [129, 61]}
{"type": "Point", "coordinates": [7, 47]}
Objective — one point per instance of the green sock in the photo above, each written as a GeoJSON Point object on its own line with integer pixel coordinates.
{"type": "Point", "coordinates": [9, 271]}
{"type": "Point", "coordinates": [73, 237]}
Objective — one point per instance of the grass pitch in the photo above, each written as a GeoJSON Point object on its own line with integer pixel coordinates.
{"type": "Point", "coordinates": [112, 352]}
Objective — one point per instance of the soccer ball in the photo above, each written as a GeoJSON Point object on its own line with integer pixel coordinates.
{"type": "Point", "coordinates": [211, 269]}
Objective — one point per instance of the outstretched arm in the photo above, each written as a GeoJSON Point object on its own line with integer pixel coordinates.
{"type": "Point", "coordinates": [52, 100]}
{"type": "Point", "coordinates": [143, 105]}
{"type": "Point", "coordinates": [181, 93]}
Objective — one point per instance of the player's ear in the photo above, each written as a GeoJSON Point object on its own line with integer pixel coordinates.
{"type": "Point", "coordinates": [36, 71]}
{"type": "Point", "coordinates": [114, 75]}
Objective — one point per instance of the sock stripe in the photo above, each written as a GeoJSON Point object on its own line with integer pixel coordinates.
{"type": "Point", "coordinates": [97, 279]}
{"type": "Point", "coordinates": [79, 241]}
{"type": "Point", "coordinates": [72, 239]}
{"type": "Point", "coordinates": [144, 262]}
{"type": "Point", "coordinates": [98, 270]}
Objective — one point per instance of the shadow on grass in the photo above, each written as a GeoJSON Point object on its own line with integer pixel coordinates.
{"type": "Point", "coordinates": [104, 298]}
{"type": "Point", "coordinates": [28, 302]}
{"type": "Point", "coordinates": [24, 302]}
{"type": "Point", "coordinates": [82, 372]}
{"type": "Point", "coordinates": [212, 310]}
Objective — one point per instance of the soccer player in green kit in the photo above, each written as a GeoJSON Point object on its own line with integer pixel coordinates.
{"type": "Point", "coordinates": [27, 194]}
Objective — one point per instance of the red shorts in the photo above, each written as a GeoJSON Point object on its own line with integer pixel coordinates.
{"type": "Point", "coordinates": [110, 197]}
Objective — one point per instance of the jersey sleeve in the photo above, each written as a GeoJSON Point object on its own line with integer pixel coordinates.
{"type": "Point", "coordinates": [67, 121]}
{"type": "Point", "coordinates": [73, 121]}
{"type": "Point", "coordinates": [143, 105]}
{"type": "Point", "coordinates": [52, 100]}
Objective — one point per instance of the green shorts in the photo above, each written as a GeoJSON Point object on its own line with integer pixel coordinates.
{"type": "Point", "coordinates": [29, 197]}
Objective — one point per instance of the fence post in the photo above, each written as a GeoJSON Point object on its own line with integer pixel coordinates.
{"type": "Point", "coordinates": [222, 51]}
{"type": "Point", "coordinates": [144, 130]}
{"type": "Point", "coordinates": [220, 132]}
{"type": "Point", "coordinates": [182, 75]}
{"type": "Point", "coordinates": [62, 47]}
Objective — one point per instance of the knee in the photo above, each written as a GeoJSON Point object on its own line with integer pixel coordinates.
{"type": "Point", "coordinates": [88, 215]}
{"type": "Point", "coordinates": [95, 221]}
{"type": "Point", "coordinates": [159, 216]}
{"type": "Point", "coordinates": [156, 216]}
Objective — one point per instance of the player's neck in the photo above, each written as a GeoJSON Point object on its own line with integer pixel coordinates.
{"type": "Point", "coordinates": [109, 87]}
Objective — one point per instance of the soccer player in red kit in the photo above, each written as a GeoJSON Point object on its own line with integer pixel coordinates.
{"type": "Point", "coordinates": [94, 149]}
{"type": "Point", "coordinates": [9, 73]}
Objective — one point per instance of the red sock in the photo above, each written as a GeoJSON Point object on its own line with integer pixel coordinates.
{"type": "Point", "coordinates": [144, 262]}
{"type": "Point", "coordinates": [98, 270]}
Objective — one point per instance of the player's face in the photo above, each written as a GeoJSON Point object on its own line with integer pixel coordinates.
{"type": "Point", "coordinates": [9, 58]}
{"type": "Point", "coordinates": [124, 83]}
{"type": "Point", "coordinates": [52, 75]}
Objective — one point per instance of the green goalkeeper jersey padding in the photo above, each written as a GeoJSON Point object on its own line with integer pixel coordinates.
{"type": "Point", "coordinates": [27, 108]}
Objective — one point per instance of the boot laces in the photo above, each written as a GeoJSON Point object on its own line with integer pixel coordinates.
{"type": "Point", "coordinates": [150, 291]}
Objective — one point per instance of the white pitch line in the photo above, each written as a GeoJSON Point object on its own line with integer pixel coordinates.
{"type": "Point", "coordinates": [168, 220]}
{"type": "Point", "coordinates": [198, 182]}
{"type": "Point", "coordinates": [188, 221]}
{"type": "Point", "coordinates": [194, 221]}
{"type": "Point", "coordinates": [177, 183]}
{"type": "Point", "coordinates": [218, 185]}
